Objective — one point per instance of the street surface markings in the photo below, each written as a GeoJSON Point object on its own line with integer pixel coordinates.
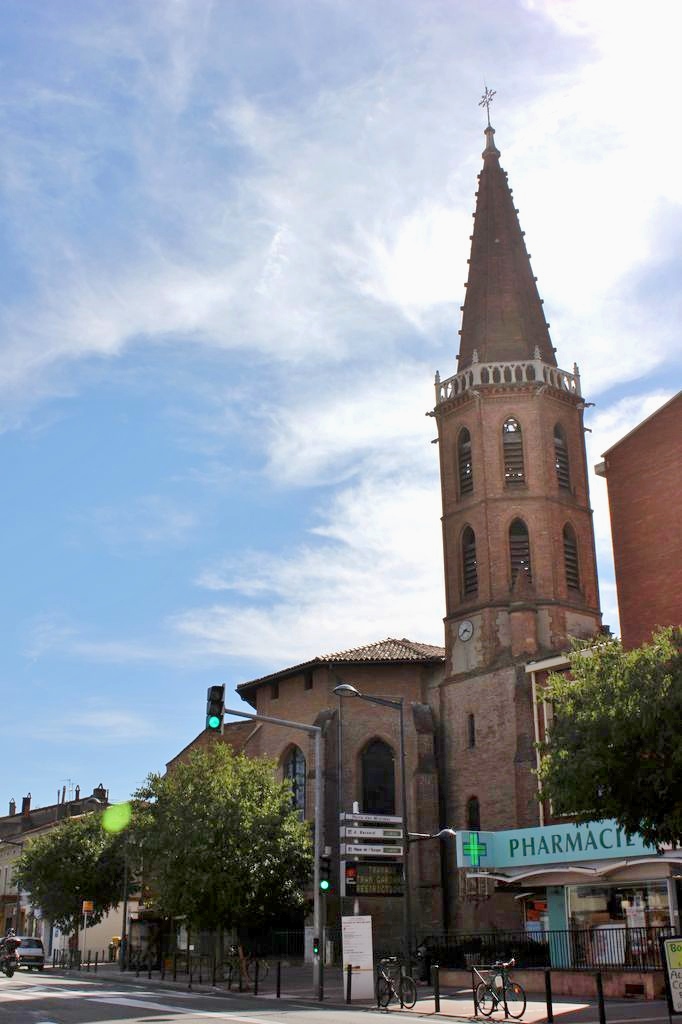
{"type": "Point", "coordinates": [166, 1008]}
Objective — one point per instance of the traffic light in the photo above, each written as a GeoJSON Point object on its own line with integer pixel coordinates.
{"type": "Point", "coordinates": [316, 946]}
{"type": "Point", "coordinates": [215, 708]}
{"type": "Point", "coordinates": [325, 874]}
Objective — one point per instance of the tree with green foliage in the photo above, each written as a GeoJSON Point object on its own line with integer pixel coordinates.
{"type": "Point", "coordinates": [614, 746]}
{"type": "Point", "coordinates": [75, 861]}
{"type": "Point", "coordinates": [224, 845]}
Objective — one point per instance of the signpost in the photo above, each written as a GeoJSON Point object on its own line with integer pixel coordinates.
{"type": "Point", "coordinates": [372, 868]}
{"type": "Point", "coordinates": [87, 908]}
{"type": "Point", "coordinates": [363, 878]}
{"type": "Point", "coordinates": [356, 937]}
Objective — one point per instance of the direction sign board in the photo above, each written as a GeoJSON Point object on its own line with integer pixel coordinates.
{"type": "Point", "coordinates": [370, 850]}
{"type": "Point", "coordinates": [378, 819]}
{"type": "Point", "coordinates": [366, 832]}
{"type": "Point", "coordinates": [671, 949]}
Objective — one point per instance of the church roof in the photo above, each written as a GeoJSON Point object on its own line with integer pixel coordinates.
{"type": "Point", "coordinates": [383, 651]}
{"type": "Point", "coordinates": [502, 317]}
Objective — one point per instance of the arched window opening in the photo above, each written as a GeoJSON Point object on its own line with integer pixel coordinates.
{"type": "Point", "coordinates": [519, 549]}
{"type": "Point", "coordinates": [571, 558]}
{"type": "Point", "coordinates": [563, 474]}
{"type": "Point", "coordinates": [464, 464]}
{"type": "Point", "coordinates": [512, 444]}
{"type": "Point", "coordinates": [378, 778]}
{"type": "Point", "coordinates": [473, 814]}
{"type": "Point", "coordinates": [294, 769]}
{"type": "Point", "coordinates": [469, 564]}
{"type": "Point", "coordinates": [471, 730]}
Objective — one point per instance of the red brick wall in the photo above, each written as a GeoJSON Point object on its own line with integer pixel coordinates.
{"type": "Point", "coordinates": [644, 477]}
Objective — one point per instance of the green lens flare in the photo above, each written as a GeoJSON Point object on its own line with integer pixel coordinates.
{"type": "Point", "coordinates": [117, 817]}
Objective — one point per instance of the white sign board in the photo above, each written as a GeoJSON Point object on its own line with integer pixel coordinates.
{"type": "Point", "coordinates": [368, 850]}
{"type": "Point", "coordinates": [356, 938]}
{"type": "Point", "coordinates": [377, 819]}
{"type": "Point", "coordinates": [673, 972]}
{"type": "Point", "coordinates": [358, 832]}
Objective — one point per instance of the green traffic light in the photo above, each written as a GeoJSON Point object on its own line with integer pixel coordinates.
{"type": "Point", "coordinates": [213, 721]}
{"type": "Point", "coordinates": [324, 885]}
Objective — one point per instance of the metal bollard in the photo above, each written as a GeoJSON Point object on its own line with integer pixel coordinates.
{"type": "Point", "coordinates": [279, 978]}
{"type": "Point", "coordinates": [435, 976]}
{"type": "Point", "coordinates": [175, 966]}
{"type": "Point", "coordinates": [548, 997]}
{"type": "Point", "coordinates": [320, 991]}
{"type": "Point", "coordinates": [349, 982]}
{"type": "Point", "coordinates": [600, 999]}
{"type": "Point", "coordinates": [473, 992]}
{"type": "Point", "coordinates": [189, 965]}
{"type": "Point", "coordinates": [97, 961]}
{"type": "Point", "coordinates": [255, 979]}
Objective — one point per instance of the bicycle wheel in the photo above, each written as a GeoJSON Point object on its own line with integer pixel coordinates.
{"type": "Point", "coordinates": [407, 990]}
{"type": "Point", "coordinates": [485, 999]}
{"type": "Point", "coordinates": [263, 968]}
{"type": "Point", "coordinates": [383, 991]}
{"type": "Point", "coordinates": [516, 999]}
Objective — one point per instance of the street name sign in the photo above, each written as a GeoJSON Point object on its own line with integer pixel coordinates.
{"type": "Point", "coordinates": [360, 832]}
{"type": "Point", "coordinates": [377, 819]}
{"type": "Point", "coordinates": [370, 850]}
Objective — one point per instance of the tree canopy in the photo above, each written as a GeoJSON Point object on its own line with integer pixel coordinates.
{"type": "Point", "coordinates": [225, 845]}
{"type": "Point", "coordinates": [613, 748]}
{"type": "Point", "coordinates": [75, 861]}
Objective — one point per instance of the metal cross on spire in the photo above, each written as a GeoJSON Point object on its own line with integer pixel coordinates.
{"type": "Point", "coordinates": [486, 100]}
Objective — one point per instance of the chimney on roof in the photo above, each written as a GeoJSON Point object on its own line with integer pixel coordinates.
{"type": "Point", "coordinates": [26, 805]}
{"type": "Point", "coordinates": [78, 793]}
{"type": "Point", "coordinates": [12, 806]}
{"type": "Point", "coordinates": [100, 793]}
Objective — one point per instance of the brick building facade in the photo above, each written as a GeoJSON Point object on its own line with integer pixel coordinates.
{"type": "Point", "coordinates": [643, 473]}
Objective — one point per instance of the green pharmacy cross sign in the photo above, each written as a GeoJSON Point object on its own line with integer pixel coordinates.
{"type": "Point", "coordinates": [474, 849]}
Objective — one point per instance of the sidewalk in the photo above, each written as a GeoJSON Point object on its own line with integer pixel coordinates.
{"type": "Point", "coordinates": [456, 1005]}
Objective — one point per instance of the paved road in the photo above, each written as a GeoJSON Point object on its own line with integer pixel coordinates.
{"type": "Point", "coordinates": [54, 997]}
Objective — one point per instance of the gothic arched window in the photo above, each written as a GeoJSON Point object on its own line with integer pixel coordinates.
{"type": "Point", "coordinates": [563, 474]}
{"type": "Point", "coordinates": [378, 778]}
{"type": "Point", "coordinates": [473, 814]}
{"type": "Point", "coordinates": [464, 464]}
{"type": "Point", "coordinates": [294, 769]}
{"type": "Point", "coordinates": [469, 564]}
{"type": "Point", "coordinates": [571, 566]}
{"type": "Point", "coordinates": [519, 549]}
{"type": "Point", "coordinates": [512, 446]}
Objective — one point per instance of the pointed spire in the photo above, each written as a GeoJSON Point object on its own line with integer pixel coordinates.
{"type": "Point", "coordinates": [503, 319]}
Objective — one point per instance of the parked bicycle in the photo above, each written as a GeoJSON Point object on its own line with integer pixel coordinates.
{"type": "Point", "coordinates": [233, 966]}
{"type": "Point", "coordinates": [391, 982]}
{"type": "Point", "coordinates": [498, 991]}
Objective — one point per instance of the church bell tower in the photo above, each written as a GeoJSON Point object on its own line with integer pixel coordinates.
{"type": "Point", "coordinates": [519, 559]}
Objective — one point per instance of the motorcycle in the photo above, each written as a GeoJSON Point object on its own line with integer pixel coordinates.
{"type": "Point", "coordinates": [9, 958]}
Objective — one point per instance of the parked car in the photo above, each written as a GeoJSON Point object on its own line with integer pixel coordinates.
{"type": "Point", "coordinates": [31, 952]}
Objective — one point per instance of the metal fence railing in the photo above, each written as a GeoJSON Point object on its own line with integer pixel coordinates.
{"type": "Point", "coordinates": [609, 946]}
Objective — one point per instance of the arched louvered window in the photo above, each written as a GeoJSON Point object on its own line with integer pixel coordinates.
{"type": "Point", "coordinates": [519, 549]}
{"type": "Point", "coordinates": [512, 445]}
{"type": "Point", "coordinates": [571, 558]}
{"type": "Point", "coordinates": [563, 474]}
{"type": "Point", "coordinates": [473, 814]}
{"type": "Point", "coordinates": [469, 565]}
{"type": "Point", "coordinates": [471, 730]}
{"type": "Point", "coordinates": [294, 769]}
{"type": "Point", "coordinates": [378, 778]}
{"type": "Point", "coordinates": [464, 464]}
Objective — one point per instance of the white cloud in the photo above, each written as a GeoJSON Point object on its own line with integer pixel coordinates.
{"type": "Point", "coordinates": [146, 520]}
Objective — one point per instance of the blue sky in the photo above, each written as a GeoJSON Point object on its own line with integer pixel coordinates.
{"type": "Point", "coordinates": [234, 238]}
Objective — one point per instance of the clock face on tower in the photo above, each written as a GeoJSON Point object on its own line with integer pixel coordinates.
{"type": "Point", "coordinates": [465, 630]}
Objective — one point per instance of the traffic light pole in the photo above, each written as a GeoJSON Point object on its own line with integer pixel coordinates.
{"type": "Point", "coordinates": [318, 845]}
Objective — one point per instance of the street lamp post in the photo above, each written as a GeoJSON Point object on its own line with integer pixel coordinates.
{"type": "Point", "coordinates": [346, 690]}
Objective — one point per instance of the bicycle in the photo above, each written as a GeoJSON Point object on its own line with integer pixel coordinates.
{"type": "Point", "coordinates": [392, 982]}
{"type": "Point", "coordinates": [499, 991]}
{"type": "Point", "coordinates": [233, 965]}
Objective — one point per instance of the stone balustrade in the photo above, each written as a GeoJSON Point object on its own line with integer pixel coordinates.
{"type": "Point", "coordinates": [528, 371]}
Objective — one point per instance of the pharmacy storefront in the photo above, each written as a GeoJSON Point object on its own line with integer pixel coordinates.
{"type": "Point", "coordinates": [589, 877]}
